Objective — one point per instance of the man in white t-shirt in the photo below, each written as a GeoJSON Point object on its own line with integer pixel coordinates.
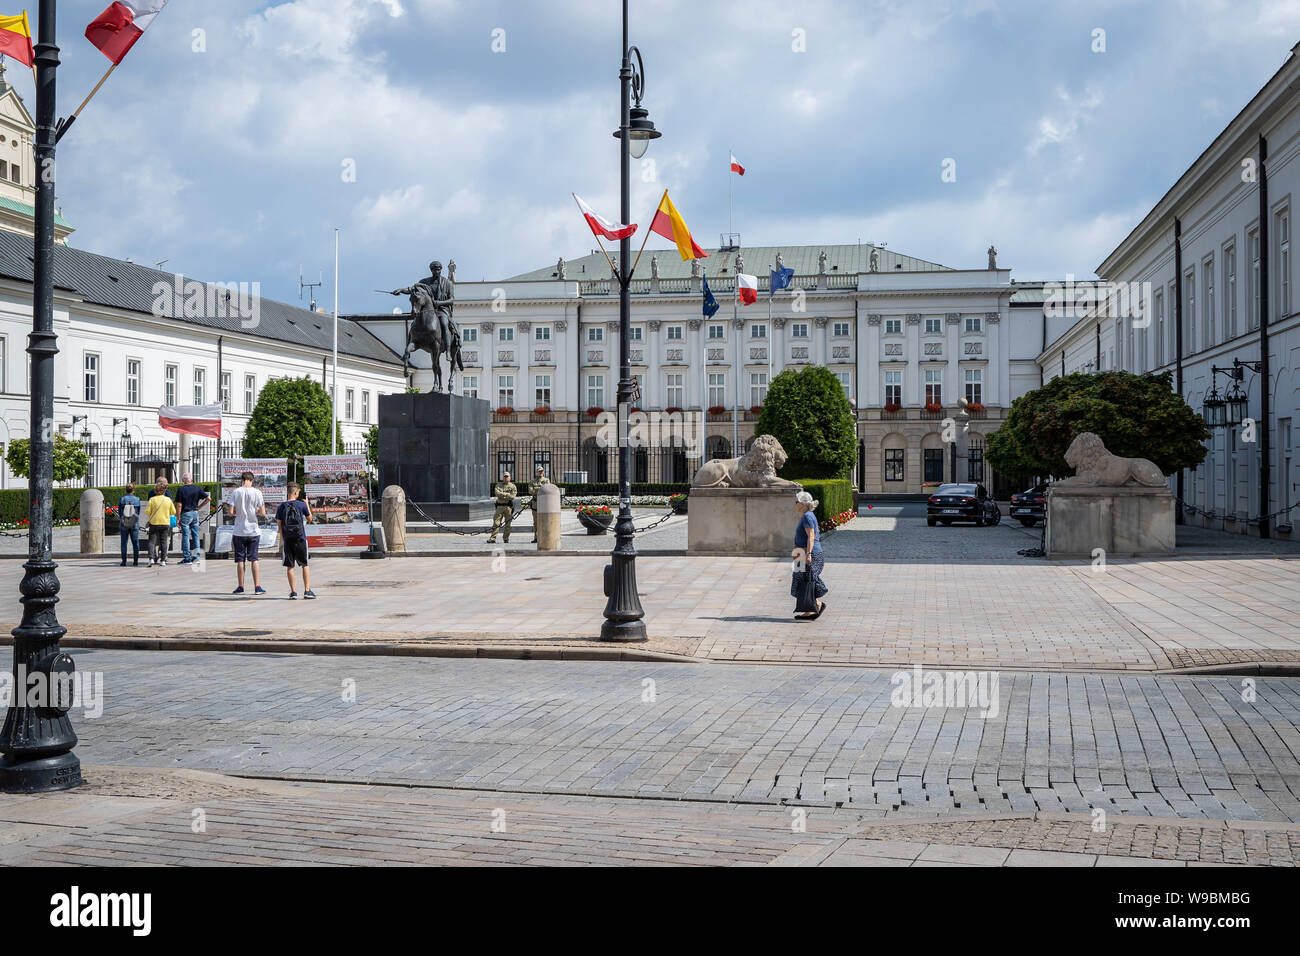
{"type": "Point", "coordinates": [247, 505]}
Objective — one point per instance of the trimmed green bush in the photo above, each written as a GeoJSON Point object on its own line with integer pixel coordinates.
{"type": "Point", "coordinates": [292, 418]}
{"type": "Point", "coordinates": [67, 501]}
{"type": "Point", "coordinates": [834, 495]}
{"type": "Point", "coordinates": [809, 414]}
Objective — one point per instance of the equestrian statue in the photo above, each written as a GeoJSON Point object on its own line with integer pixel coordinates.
{"type": "Point", "coordinates": [431, 327]}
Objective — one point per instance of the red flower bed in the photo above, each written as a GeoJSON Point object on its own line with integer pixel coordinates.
{"type": "Point", "coordinates": [542, 410]}
{"type": "Point", "coordinates": [505, 410]}
{"type": "Point", "coordinates": [975, 407]}
{"type": "Point", "coordinates": [594, 411]}
{"type": "Point", "coordinates": [756, 409]}
{"type": "Point", "coordinates": [844, 517]}
{"type": "Point", "coordinates": [893, 407]}
{"type": "Point", "coordinates": [933, 407]}
{"type": "Point", "coordinates": [593, 509]}
{"type": "Point", "coordinates": [717, 410]}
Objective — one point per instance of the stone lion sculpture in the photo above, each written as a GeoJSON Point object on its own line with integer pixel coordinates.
{"type": "Point", "coordinates": [756, 469]}
{"type": "Point", "coordinates": [1094, 465]}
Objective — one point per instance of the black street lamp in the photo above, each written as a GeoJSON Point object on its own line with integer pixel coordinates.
{"type": "Point", "coordinates": [37, 740]}
{"type": "Point", "coordinates": [623, 611]}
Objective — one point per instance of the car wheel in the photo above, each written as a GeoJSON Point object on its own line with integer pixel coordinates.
{"type": "Point", "coordinates": [995, 515]}
{"type": "Point", "coordinates": [930, 522]}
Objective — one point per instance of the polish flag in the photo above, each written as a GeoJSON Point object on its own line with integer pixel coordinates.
{"type": "Point", "coordinates": [735, 165]}
{"type": "Point", "coordinates": [746, 288]}
{"type": "Point", "coordinates": [202, 420]}
{"type": "Point", "coordinates": [600, 226]}
{"type": "Point", "coordinates": [115, 30]}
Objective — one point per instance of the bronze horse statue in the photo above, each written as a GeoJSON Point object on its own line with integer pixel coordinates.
{"type": "Point", "coordinates": [431, 331]}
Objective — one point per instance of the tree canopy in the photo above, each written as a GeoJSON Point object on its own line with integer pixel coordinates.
{"type": "Point", "coordinates": [292, 418]}
{"type": "Point", "coordinates": [70, 459]}
{"type": "Point", "coordinates": [1137, 416]}
{"type": "Point", "coordinates": [809, 414]}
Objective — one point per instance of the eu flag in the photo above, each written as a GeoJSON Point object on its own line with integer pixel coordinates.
{"type": "Point", "coordinates": [710, 303]}
{"type": "Point", "coordinates": [779, 279]}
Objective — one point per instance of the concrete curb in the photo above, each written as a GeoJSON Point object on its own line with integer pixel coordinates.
{"type": "Point", "coordinates": [371, 649]}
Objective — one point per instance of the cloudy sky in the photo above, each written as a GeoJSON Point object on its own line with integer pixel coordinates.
{"type": "Point", "coordinates": [224, 142]}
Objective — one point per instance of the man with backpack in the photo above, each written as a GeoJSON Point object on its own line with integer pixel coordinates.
{"type": "Point", "coordinates": [292, 517]}
{"type": "Point", "coordinates": [128, 523]}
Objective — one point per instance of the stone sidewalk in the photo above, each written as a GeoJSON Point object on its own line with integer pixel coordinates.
{"type": "Point", "coordinates": [133, 817]}
{"type": "Point", "coordinates": [985, 612]}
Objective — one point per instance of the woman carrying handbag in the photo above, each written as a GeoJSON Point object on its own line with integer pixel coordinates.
{"type": "Point", "coordinates": [807, 587]}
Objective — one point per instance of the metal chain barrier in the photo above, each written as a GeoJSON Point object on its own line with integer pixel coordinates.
{"type": "Point", "coordinates": [522, 508]}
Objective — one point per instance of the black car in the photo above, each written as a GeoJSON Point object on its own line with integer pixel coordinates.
{"type": "Point", "coordinates": [961, 502]}
{"type": "Point", "coordinates": [1030, 507]}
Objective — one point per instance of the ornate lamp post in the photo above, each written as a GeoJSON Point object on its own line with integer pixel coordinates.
{"type": "Point", "coordinates": [37, 741]}
{"type": "Point", "coordinates": [623, 612]}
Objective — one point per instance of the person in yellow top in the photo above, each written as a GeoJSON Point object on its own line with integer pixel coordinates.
{"type": "Point", "coordinates": [159, 511]}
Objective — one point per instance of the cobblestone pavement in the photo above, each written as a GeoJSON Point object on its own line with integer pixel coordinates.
{"type": "Point", "coordinates": [990, 609]}
{"type": "Point", "coordinates": [133, 816]}
{"type": "Point", "coordinates": [1186, 747]}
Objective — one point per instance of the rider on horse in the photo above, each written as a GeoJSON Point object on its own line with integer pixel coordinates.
{"type": "Point", "coordinates": [442, 294]}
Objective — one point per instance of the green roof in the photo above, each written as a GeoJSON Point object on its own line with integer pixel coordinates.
{"type": "Point", "coordinates": [30, 211]}
{"type": "Point", "coordinates": [759, 260]}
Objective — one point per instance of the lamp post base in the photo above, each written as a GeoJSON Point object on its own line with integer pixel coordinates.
{"type": "Point", "coordinates": [623, 612]}
{"type": "Point", "coordinates": [40, 774]}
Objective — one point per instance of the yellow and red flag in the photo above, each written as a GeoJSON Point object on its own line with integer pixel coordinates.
{"type": "Point", "coordinates": [668, 223]}
{"type": "Point", "coordinates": [16, 38]}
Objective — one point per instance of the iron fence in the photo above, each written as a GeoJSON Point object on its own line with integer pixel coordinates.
{"type": "Point", "coordinates": [565, 456]}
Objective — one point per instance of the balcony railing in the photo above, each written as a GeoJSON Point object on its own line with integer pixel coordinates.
{"type": "Point", "coordinates": [717, 284]}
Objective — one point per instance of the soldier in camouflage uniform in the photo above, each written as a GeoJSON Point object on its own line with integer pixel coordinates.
{"type": "Point", "coordinates": [539, 480]}
{"type": "Point", "coordinates": [505, 493]}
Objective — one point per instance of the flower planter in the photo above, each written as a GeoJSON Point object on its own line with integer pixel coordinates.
{"type": "Point", "coordinates": [595, 523]}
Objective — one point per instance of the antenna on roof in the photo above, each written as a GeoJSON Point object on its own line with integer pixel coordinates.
{"type": "Point", "coordinates": [159, 264]}
{"type": "Point", "coordinates": [311, 298]}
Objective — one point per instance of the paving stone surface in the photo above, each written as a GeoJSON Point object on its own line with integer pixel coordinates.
{"type": "Point", "coordinates": [1206, 747]}
{"type": "Point", "coordinates": [140, 816]}
{"type": "Point", "coordinates": [901, 594]}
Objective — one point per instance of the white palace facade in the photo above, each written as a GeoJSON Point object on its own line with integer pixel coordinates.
{"type": "Point", "coordinates": [1211, 258]}
{"type": "Point", "coordinates": [899, 333]}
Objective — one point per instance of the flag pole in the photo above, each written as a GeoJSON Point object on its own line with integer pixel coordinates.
{"type": "Point", "coordinates": [736, 367]}
{"type": "Point", "coordinates": [645, 238]}
{"type": "Point", "coordinates": [67, 123]}
{"type": "Point", "coordinates": [334, 385]}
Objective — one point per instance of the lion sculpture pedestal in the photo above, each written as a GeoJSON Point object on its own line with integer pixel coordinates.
{"type": "Point", "coordinates": [740, 506]}
{"type": "Point", "coordinates": [1121, 506]}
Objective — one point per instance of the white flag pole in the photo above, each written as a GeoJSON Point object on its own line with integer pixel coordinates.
{"type": "Point", "coordinates": [334, 387]}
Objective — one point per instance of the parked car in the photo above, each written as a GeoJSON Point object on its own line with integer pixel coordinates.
{"type": "Point", "coordinates": [965, 501]}
{"type": "Point", "coordinates": [1030, 507]}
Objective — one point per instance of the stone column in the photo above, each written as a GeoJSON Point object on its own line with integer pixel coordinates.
{"type": "Point", "coordinates": [547, 516]}
{"type": "Point", "coordinates": [92, 521]}
{"type": "Point", "coordinates": [394, 518]}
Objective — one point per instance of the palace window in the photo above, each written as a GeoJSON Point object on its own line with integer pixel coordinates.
{"type": "Point", "coordinates": [170, 374]}
{"type": "Point", "coordinates": [894, 464]}
{"type": "Point", "coordinates": [674, 333]}
{"type": "Point", "coordinates": [348, 402]}
{"type": "Point", "coordinates": [595, 333]}
{"type": "Point", "coordinates": [469, 334]}
{"type": "Point", "coordinates": [798, 330]}
{"type": "Point", "coordinates": [894, 387]}
{"type": "Point", "coordinates": [933, 326]}
{"type": "Point", "coordinates": [506, 333]}
{"type": "Point", "coordinates": [974, 385]}
{"type": "Point", "coordinates": [717, 332]}
{"type": "Point", "coordinates": [542, 333]}
{"type": "Point", "coordinates": [758, 330]}
{"type": "Point", "coordinates": [200, 386]}
{"type": "Point", "coordinates": [934, 386]}
{"type": "Point", "coordinates": [90, 380]}
{"type": "Point", "coordinates": [717, 389]}
{"type": "Point", "coordinates": [250, 393]}
{"type": "Point", "coordinates": [505, 391]}
{"type": "Point", "coordinates": [225, 391]}
{"type": "Point", "coordinates": [840, 329]}
{"type": "Point", "coordinates": [542, 390]}
{"type": "Point", "coordinates": [893, 326]}
{"type": "Point", "coordinates": [757, 388]}
{"type": "Point", "coordinates": [675, 391]}
{"type": "Point", "coordinates": [595, 391]}
{"type": "Point", "coordinates": [974, 323]}
{"type": "Point", "coordinates": [133, 381]}
{"type": "Point", "coordinates": [469, 386]}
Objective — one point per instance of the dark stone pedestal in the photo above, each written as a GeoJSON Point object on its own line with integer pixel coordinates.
{"type": "Point", "coordinates": [435, 447]}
